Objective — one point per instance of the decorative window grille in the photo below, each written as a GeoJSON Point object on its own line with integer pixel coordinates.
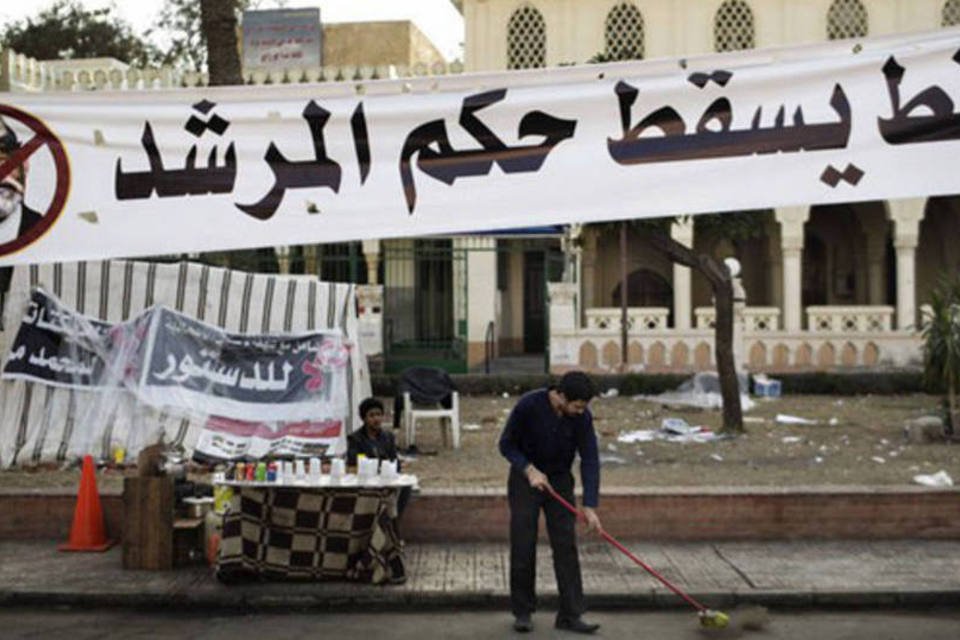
{"type": "Point", "coordinates": [526, 39]}
{"type": "Point", "coordinates": [951, 13]}
{"type": "Point", "coordinates": [846, 19]}
{"type": "Point", "coordinates": [733, 27]}
{"type": "Point", "coordinates": [624, 33]}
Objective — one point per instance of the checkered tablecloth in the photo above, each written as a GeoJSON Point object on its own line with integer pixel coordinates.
{"type": "Point", "coordinates": [291, 533]}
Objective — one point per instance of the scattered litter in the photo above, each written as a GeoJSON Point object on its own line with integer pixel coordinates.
{"type": "Point", "coordinates": [671, 430]}
{"type": "Point", "coordinates": [766, 387]}
{"type": "Point", "coordinates": [640, 435]}
{"type": "Point", "coordinates": [783, 418]}
{"type": "Point", "coordinates": [939, 479]}
{"type": "Point", "coordinates": [717, 457]}
{"type": "Point", "coordinates": [470, 427]}
{"type": "Point", "coordinates": [878, 459]}
{"type": "Point", "coordinates": [790, 439]}
{"type": "Point", "coordinates": [893, 454]}
{"type": "Point", "coordinates": [834, 422]}
{"type": "Point", "coordinates": [884, 441]}
{"type": "Point", "coordinates": [818, 459]}
{"type": "Point", "coordinates": [610, 393]}
{"type": "Point", "coordinates": [702, 390]}
{"type": "Point", "coordinates": [677, 426]}
{"type": "Point", "coordinates": [609, 459]}
{"type": "Point", "coordinates": [505, 395]}
{"type": "Point", "coordinates": [753, 420]}
{"type": "Point", "coordinates": [611, 447]}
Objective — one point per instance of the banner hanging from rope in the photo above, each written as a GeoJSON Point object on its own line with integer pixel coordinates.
{"type": "Point", "coordinates": [99, 175]}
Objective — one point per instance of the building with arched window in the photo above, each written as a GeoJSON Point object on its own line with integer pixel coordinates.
{"type": "Point", "coordinates": [733, 28]}
{"type": "Point", "coordinates": [623, 32]}
{"type": "Point", "coordinates": [827, 286]}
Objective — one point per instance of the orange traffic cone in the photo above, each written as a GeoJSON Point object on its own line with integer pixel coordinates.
{"type": "Point", "coordinates": [87, 532]}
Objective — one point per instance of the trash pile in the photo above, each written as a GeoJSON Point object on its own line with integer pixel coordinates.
{"type": "Point", "coordinates": [671, 430]}
{"type": "Point", "coordinates": [701, 391]}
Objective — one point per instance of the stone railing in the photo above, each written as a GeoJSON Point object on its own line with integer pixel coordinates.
{"type": "Point", "coordinates": [640, 318]}
{"type": "Point", "coordinates": [23, 74]}
{"type": "Point", "coordinates": [762, 345]}
{"type": "Point", "coordinates": [758, 319]}
{"type": "Point", "coordinates": [854, 319]}
{"type": "Point", "coordinates": [926, 314]}
{"type": "Point", "coordinates": [674, 350]}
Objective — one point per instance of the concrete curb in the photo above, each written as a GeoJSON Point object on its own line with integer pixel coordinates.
{"type": "Point", "coordinates": [250, 600]}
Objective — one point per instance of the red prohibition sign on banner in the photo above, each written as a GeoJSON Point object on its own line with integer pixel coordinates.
{"type": "Point", "coordinates": [42, 137]}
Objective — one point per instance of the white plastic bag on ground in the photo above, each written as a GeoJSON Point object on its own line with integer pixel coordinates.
{"type": "Point", "coordinates": [938, 479]}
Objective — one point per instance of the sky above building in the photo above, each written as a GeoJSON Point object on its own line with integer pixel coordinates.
{"type": "Point", "coordinates": [437, 19]}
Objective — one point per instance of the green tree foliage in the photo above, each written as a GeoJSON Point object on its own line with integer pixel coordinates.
{"type": "Point", "coordinates": [67, 30]}
{"type": "Point", "coordinates": [941, 344]}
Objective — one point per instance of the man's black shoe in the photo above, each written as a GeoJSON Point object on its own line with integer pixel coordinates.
{"type": "Point", "coordinates": [523, 624]}
{"type": "Point", "coordinates": [577, 625]}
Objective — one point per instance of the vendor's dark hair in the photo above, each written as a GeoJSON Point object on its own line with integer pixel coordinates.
{"type": "Point", "coordinates": [576, 385]}
{"type": "Point", "coordinates": [367, 405]}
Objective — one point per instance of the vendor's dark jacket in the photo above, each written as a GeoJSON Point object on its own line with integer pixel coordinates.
{"type": "Point", "coordinates": [383, 446]}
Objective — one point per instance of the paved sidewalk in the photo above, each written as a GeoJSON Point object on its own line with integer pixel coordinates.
{"type": "Point", "coordinates": [778, 574]}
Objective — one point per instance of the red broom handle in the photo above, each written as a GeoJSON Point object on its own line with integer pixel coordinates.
{"type": "Point", "coordinates": [609, 538]}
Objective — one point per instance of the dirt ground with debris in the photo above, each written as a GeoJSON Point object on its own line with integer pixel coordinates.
{"type": "Point", "coordinates": [858, 440]}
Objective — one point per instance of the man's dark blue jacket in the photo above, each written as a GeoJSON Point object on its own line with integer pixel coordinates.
{"type": "Point", "coordinates": [536, 434]}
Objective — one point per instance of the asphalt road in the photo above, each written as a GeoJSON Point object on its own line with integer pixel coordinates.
{"type": "Point", "coordinates": [102, 624]}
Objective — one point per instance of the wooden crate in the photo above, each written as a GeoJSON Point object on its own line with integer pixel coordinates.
{"type": "Point", "coordinates": [148, 523]}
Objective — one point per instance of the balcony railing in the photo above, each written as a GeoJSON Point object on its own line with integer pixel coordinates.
{"type": "Point", "coordinates": [638, 318]}
{"type": "Point", "coordinates": [853, 319]}
{"type": "Point", "coordinates": [756, 319]}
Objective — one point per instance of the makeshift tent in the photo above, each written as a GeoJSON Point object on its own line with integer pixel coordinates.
{"type": "Point", "coordinates": [39, 422]}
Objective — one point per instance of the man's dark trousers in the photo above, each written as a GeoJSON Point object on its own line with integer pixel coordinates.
{"type": "Point", "coordinates": [525, 505]}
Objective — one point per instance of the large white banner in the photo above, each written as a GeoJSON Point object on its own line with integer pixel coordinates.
{"type": "Point", "coordinates": [156, 172]}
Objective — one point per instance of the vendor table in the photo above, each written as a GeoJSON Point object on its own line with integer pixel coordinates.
{"type": "Point", "coordinates": [313, 532]}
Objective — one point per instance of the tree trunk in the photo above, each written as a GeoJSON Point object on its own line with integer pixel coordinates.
{"type": "Point", "coordinates": [726, 364]}
{"type": "Point", "coordinates": [722, 285]}
{"type": "Point", "coordinates": [218, 21]}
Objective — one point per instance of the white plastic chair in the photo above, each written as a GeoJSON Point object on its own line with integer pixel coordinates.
{"type": "Point", "coordinates": [451, 417]}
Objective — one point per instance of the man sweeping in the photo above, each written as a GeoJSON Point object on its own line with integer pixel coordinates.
{"type": "Point", "coordinates": [544, 432]}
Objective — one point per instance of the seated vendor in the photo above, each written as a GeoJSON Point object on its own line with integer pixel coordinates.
{"type": "Point", "coordinates": [373, 441]}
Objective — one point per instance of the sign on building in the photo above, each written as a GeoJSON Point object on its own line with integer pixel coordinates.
{"type": "Point", "coordinates": [282, 38]}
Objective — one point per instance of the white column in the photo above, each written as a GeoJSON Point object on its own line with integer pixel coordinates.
{"type": "Point", "coordinates": [791, 221]}
{"type": "Point", "coordinates": [682, 231]}
{"type": "Point", "coordinates": [906, 216]}
{"type": "Point", "coordinates": [876, 259]}
{"type": "Point", "coordinates": [588, 264]}
{"type": "Point", "coordinates": [371, 253]}
{"type": "Point", "coordinates": [481, 290]}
